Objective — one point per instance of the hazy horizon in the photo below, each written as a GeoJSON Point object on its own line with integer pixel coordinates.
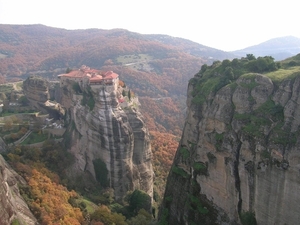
{"type": "Point", "coordinates": [228, 26]}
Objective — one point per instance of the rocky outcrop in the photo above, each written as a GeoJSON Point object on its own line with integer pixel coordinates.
{"type": "Point", "coordinates": [39, 91]}
{"type": "Point", "coordinates": [12, 206]}
{"type": "Point", "coordinates": [36, 90]}
{"type": "Point", "coordinates": [110, 144]}
{"type": "Point", "coordinates": [238, 158]}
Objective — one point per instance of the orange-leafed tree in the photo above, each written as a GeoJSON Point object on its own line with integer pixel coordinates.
{"type": "Point", "coordinates": [164, 146]}
{"type": "Point", "coordinates": [103, 214]}
{"type": "Point", "coordinates": [50, 203]}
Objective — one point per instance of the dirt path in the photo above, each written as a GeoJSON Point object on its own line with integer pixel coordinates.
{"type": "Point", "coordinates": [17, 87]}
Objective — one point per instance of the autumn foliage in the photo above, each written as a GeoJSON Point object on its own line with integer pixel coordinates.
{"type": "Point", "coordinates": [164, 147]}
{"type": "Point", "coordinates": [49, 201]}
{"type": "Point", "coordinates": [104, 214]}
{"type": "Point", "coordinates": [162, 114]}
{"type": "Point", "coordinates": [169, 64]}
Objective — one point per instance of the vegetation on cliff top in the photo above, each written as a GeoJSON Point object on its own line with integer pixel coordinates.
{"type": "Point", "coordinates": [212, 78]}
{"type": "Point", "coordinates": [247, 111]}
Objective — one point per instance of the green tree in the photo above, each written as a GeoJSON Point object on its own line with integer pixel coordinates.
{"type": "Point", "coordinates": [139, 200]}
{"type": "Point", "coordinates": [138, 220]}
{"type": "Point", "coordinates": [250, 57]}
{"type": "Point", "coordinates": [23, 100]}
{"type": "Point", "coordinates": [248, 218]}
{"type": "Point", "coordinates": [235, 63]}
{"type": "Point", "coordinates": [262, 64]}
{"type": "Point", "coordinates": [225, 63]}
{"type": "Point", "coordinates": [229, 73]}
{"type": "Point", "coordinates": [103, 214]}
{"type": "Point", "coordinates": [129, 95]}
{"type": "Point", "coordinates": [203, 68]}
{"type": "Point", "coordinates": [7, 124]}
{"type": "Point", "coordinates": [33, 154]}
{"type": "Point", "coordinates": [68, 70]}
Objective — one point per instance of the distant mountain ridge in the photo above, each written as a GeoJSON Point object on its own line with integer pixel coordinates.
{"type": "Point", "coordinates": [25, 48]}
{"type": "Point", "coordinates": [191, 47]}
{"type": "Point", "coordinates": [279, 48]}
{"type": "Point", "coordinates": [153, 65]}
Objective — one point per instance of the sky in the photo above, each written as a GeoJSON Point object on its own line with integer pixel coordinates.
{"type": "Point", "coordinates": [222, 24]}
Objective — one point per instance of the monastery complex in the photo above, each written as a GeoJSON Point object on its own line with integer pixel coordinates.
{"type": "Point", "coordinates": [98, 80]}
{"type": "Point", "coordinates": [86, 76]}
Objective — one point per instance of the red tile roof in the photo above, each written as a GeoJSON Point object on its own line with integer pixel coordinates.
{"type": "Point", "coordinates": [94, 75]}
{"type": "Point", "coordinates": [96, 79]}
{"type": "Point", "coordinates": [110, 75]}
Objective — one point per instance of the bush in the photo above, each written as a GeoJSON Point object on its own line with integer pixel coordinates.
{"type": "Point", "coordinates": [200, 168]}
{"type": "Point", "coordinates": [248, 218]}
{"type": "Point", "coordinates": [139, 200]}
{"type": "Point", "coordinates": [184, 152]}
{"type": "Point", "coordinates": [15, 222]}
{"type": "Point", "coordinates": [197, 205]}
{"type": "Point", "coordinates": [179, 171]}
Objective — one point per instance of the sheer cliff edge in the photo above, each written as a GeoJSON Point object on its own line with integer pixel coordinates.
{"type": "Point", "coordinates": [238, 159]}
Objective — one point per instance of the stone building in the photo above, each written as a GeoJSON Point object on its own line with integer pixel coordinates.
{"type": "Point", "coordinates": [91, 77]}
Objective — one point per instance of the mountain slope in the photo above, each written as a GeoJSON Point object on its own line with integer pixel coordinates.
{"type": "Point", "coordinates": [192, 48]}
{"type": "Point", "coordinates": [279, 48]}
{"type": "Point", "coordinates": [154, 66]}
{"type": "Point", "coordinates": [26, 48]}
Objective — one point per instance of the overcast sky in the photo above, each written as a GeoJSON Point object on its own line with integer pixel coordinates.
{"type": "Point", "coordinates": [223, 24]}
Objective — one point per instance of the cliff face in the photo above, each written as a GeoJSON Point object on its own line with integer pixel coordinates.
{"type": "Point", "coordinates": [12, 206]}
{"type": "Point", "coordinates": [239, 155]}
{"type": "Point", "coordinates": [110, 144]}
{"type": "Point", "coordinates": [39, 91]}
{"type": "Point", "coordinates": [36, 90]}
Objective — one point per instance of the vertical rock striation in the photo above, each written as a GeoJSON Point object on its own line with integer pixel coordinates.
{"type": "Point", "coordinates": [110, 143]}
{"type": "Point", "coordinates": [238, 156]}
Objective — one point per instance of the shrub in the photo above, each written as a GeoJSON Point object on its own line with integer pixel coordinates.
{"type": "Point", "coordinates": [164, 217]}
{"type": "Point", "coordinates": [200, 168]}
{"type": "Point", "coordinates": [248, 218]}
{"type": "Point", "coordinates": [265, 154]}
{"type": "Point", "coordinates": [139, 200]}
{"type": "Point", "coordinates": [197, 205]}
{"type": "Point", "coordinates": [15, 222]}
{"type": "Point", "coordinates": [179, 171]}
{"type": "Point", "coordinates": [184, 152]}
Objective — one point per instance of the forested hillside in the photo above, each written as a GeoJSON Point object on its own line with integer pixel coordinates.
{"type": "Point", "coordinates": [154, 66]}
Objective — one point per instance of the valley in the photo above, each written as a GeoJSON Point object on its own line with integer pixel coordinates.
{"type": "Point", "coordinates": [153, 130]}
